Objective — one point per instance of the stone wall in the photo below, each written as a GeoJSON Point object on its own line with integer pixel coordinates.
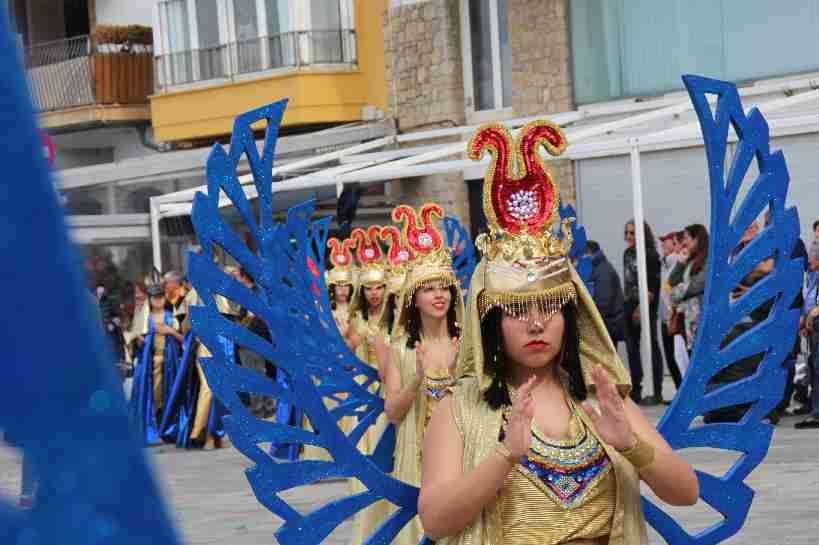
{"type": "Point", "coordinates": [541, 69]}
{"type": "Point", "coordinates": [424, 76]}
{"type": "Point", "coordinates": [541, 58]}
{"type": "Point", "coordinates": [425, 88]}
{"type": "Point", "coordinates": [423, 58]}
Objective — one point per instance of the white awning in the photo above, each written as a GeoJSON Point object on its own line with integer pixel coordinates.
{"type": "Point", "coordinates": [188, 163]}
{"type": "Point", "coordinates": [592, 131]}
{"type": "Point", "coordinates": [623, 128]}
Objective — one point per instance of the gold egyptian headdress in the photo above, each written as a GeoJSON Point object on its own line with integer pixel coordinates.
{"type": "Point", "coordinates": [430, 262]}
{"type": "Point", "coordinates": [399, 254]}
{"type": "Point", "coordinates": [341, 257]}
{"type": "Point", "coordinates": [525, 263]}
{"type": "Point", "coordinates": [431, 259]}
{"type": "Point", "coordinates": [372, 268]}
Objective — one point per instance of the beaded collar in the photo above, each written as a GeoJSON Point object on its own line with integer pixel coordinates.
{"type": "Point", "coordinates": [569, 470]}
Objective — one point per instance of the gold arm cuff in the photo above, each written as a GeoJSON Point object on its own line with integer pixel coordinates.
{"type": "Point", "coordinates": [641, 455]}
{"type": "Point", "coordinates": [506, 455]}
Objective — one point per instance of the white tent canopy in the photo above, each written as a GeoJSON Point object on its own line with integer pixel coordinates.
{"type": "Point", "coordinates": [622, 128]}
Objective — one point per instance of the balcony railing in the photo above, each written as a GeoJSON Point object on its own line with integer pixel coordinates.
{"type": "Point", "coordinates": [75, 72]}
{"type": "Point", "coordinates": [289, 49]}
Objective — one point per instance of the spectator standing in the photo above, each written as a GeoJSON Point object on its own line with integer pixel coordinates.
{"type": "Point", "coordinates": [810, 329]}
{"type": "Point", "coordinates": [668, 262]}
{"type": "Point", "coordinates": [687, 280]}
{"type": "Point", "coordinates": [632, 313]}
{"type": "Point", "coordinates": [604, 286]}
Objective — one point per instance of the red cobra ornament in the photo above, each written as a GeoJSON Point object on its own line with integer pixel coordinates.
{"type": "Point", "coordinates": [367, 248]}
{"type": "Point", "coordinates": [398, 254]}
{"type": "Point", "coordinates": [426, 239]}
{"type": "Point", "coordinates": [519, 203]}
{"type": "Point", "coordinates": [341, 254]}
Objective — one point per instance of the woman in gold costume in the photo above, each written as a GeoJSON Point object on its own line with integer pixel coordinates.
{"type": "Point", "coordinates": [341, 291]}
{"type": "Point", "coordinates": [369, 322]}
{"type": "Point", "coordinates": [542, 445]}
{"type": "Point", "coordinates": [420, 364]}
{"type": "Point", "coordinates": [340, 282]}
{"type": "Point", "coordinates": [369, 319]}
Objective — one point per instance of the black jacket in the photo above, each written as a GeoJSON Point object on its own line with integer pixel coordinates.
{"type": "Point", "coordinates": [630, 289]}
{"type": "Point", "coordinates": [605, 289]}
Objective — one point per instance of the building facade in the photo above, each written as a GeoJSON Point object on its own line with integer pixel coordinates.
{"type": "Point", "coordinates": [355, 70]}
{"type": "Point", "coordinates": [134, 95]}
{"type": "Point", "coordinates": [463, 62]}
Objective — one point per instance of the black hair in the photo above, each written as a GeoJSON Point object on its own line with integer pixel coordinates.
{"type": "Point", "coordinates": [331, 292]}
{"type": "Point", "coordinates": [815, 224]}
{"type": "Point", "coordinates": [365, 308]}
{"type": "Point", "coordinates": [592, 246]}
{"type": "Point", "coordinates": [414, 319]}
{"type": "Point", "coordinates": [648, 234]}
{"type": "Point", "coordinates": [494, 357]}
{"type": "Point", "coordinates": [699, 233]}
{"type": "Point", "coordinates": [390, 310]}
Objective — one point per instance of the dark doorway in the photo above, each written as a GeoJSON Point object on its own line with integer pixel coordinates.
{"type": "Point", "coordinates": [477, 219]}
{"type": "Point", "coordinates": [76, 18]}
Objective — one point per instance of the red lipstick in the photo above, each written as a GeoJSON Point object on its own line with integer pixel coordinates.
{"type": "Point", "coordinates": [537, 345]}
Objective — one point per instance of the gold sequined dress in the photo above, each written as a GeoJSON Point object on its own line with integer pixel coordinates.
{"type": "Point", "coordinates": [578, 491]}
{"type": "Point", "coordinates": [410, 432]}
{"type": "Point", "coordinates": [367, 521]}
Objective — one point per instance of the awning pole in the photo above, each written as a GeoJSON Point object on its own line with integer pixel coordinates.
{"type": "Point", "coordinates": [642, 273]}
{"type": "Point", "coordinates": [155, 242]}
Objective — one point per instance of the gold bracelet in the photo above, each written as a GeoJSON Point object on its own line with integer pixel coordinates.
{"type": "Point", "coordinates": [506, 455]}
{"type": "Point", "coordinates": [640, 455]}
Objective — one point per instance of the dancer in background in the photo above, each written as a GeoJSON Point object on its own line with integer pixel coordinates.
{"type": "Point", "coordinates": [419, 367]}
{"type": "Point", "coordinates": [159, 354]}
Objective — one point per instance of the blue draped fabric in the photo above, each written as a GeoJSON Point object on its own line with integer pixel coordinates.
{"type": "Point", "coordinates": [289, 415]}
{"type": "Point", "coordinates": [177, 416]}
{"type": "Point", "coordinates": [217, 410]}
{"type": "Point", "coordinates": [142, 405]}
{"type": "Point", "coordinates": [180, 410]}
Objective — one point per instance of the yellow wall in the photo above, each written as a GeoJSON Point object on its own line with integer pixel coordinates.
{"type": "Point", "coordinates": [315, 95]}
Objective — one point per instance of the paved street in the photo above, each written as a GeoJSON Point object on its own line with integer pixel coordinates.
{"type": "Point", "coordinates": [213, 504]}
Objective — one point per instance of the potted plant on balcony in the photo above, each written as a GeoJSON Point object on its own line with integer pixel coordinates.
{"type": "Point", "coordinates": [123, 64]}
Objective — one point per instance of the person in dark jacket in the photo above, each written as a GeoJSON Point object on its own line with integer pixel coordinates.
{"type": "Point", "coordinates": [604, 286]}
{"type": "Point", "coordinates": [632, 313]}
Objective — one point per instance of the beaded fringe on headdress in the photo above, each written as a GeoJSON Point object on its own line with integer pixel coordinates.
{"type": "Point", "coordinates": [547, 302]}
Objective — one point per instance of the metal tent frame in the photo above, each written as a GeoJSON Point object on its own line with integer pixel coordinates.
{"type": "Point", "coordinates": [591, 132]}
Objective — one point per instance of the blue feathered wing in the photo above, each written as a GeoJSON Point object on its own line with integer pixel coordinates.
{"type": "Point", "coordinates": [61, 401]}
{"type": "Point", "coordinates": [771, 340]}
{"type": "Point", "coordinates": [287, 265]}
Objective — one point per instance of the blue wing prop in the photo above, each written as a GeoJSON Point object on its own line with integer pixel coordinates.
{"type": "Point", "coordinates": [60, 401]}
{"type": "Point", "coordinates": [305, 345]}
{"type": "Point", "coordinates": [464, 254]}
{"type": "Point", "coordinates": [772, 339]}
{"type": "Point", "coordinates": [577, 252]}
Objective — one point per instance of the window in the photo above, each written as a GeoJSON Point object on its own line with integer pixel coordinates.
{"type": "Point", "coordinates": [325, 38]}
{"type": "Point", "coordinates": [248, 51]}
{"type": "Point", "coordinates": [641, 47]}
{"type": "Point", "coordinates": [176, 67]}
{"type": "Point", "coordinates": [280, 36]}
{"type": "Point", "coordinates": [209, 39]}
{"type": "Point", "coordinates": [210, 54]}
{"type": "Point", "coordinates": [487, 70]}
